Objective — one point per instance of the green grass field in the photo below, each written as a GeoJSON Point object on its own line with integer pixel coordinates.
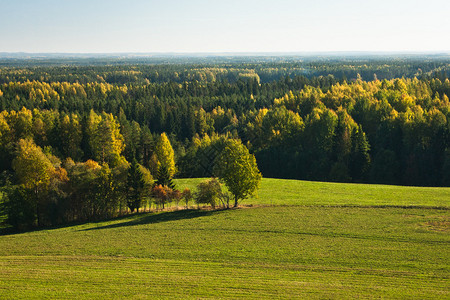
{"type": "Point", "coordinates": [296, 192]}
{"type": "Point", "coordinates": [308, 239]}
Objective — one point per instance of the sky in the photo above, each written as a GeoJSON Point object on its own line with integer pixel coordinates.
{"type": "Point", "coordinates": [209, 26]}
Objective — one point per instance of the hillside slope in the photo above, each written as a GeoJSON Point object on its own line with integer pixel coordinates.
{"type": "Point", "coordinates": [285, 251]}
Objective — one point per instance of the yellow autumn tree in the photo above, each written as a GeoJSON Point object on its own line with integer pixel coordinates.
{"type": "Point", "coordinates": [105, 139]}
{"type": "Point", "coordinates": [34, 170]}
{"type": "Point", "coordinates": [165, 155]}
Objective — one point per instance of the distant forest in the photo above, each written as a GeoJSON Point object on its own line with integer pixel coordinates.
{"type": "Point", "coordinates": [355, 119]}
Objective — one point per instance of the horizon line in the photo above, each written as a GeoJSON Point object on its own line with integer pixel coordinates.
{"type": "Point", "coordinates": [220, 53]}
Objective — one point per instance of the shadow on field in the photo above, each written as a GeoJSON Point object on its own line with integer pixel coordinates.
{"type": "Point", "coordinates": [153, 218]}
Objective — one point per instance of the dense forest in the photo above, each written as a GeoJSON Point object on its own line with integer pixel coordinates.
{"type": "Point", "coordinates": [373, 120]}
{"type": "Point", "coordinates": [160, 69]}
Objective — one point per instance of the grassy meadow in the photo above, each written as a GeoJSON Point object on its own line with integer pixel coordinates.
{"type": "Point", "coordinates": [297, 192]}
{"type": "Point", "coordinates": [299, 239]}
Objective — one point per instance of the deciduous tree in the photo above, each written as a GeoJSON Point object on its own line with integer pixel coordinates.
{"type": "Point", "coordinates": [34, 170]}
{"type": "Point", "coordinates": [165, 155]}
{"type": "Point", "coordinates": [237, 168]}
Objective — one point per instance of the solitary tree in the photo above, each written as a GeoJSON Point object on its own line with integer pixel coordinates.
{"type": "Point", "coordinates": [237, 168]}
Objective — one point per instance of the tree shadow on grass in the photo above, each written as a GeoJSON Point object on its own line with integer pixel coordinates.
{"type": "Point", "coordinates": [153, 218]}
{"type": "Point", "coordinates": [125, 220]}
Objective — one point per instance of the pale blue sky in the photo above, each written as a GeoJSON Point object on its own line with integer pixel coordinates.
{"type": "Point", "coordinates": [223, 26]}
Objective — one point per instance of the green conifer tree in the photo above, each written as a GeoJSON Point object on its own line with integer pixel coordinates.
{"type": "Point", "coordinates": [135, 186]}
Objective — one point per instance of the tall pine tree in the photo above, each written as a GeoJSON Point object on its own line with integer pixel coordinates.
{"type": "Point", "coordinates": [135, 186]}
{"type": "Point", "coordinates": [359, 156]}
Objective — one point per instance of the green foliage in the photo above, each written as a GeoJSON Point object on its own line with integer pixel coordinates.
{"type": "Point", "coordinates": [107, 194]}
{"type": "Point", "coordinates": [359, 157]}
{"type": "Point", "coordinates": [339, 172]}
{"type": "Point", "coordinates": [71, 132]}
{"type": "Point", "coordinates": [135, 186]}
{"type": "Point", "coordinates": [281, 126]}
{"type": "Point", "coordinates": [187, 196]}
{"type": "Point", "coordinates": [446, 170]}
{"type": "Point", "coordinates": [323, 124]}
{"type": "Point", "coordinates": [385, 167]}
{"type": "Point", "coordinates": [237, 168]}
{"type": "Point", "coordinates": [297, 126]}
{"type": "Point", "coordinates": [202, 155]}
{"type": "Point", "coordinates": [94, 191]}
{"type": "Point", "coordinates": [105, 139]}
{"type": "Point", "coordinates": [20, 207]}
{"type": "Point", "coordinates": [163, 177]}
{"type": "Point", "coordinates": [208, 192]}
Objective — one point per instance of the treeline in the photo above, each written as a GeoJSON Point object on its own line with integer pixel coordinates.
{"type": "Point", "coordinates": [50, 183]}
{"type": "Point", "coordinates": [60, 169]}
{"type": "Point", "coordinates": [76, 152]}
{"type": "Point", "coordinates": [168, 107]}
{"type": "Point", "coordinates": [86, 148]}
{"type": "Point", "coordinates": [381, 131]}
{"type": "Point", "coordinates": [394, 132]}
{"type": "Point", "coordinates": [141, 71]}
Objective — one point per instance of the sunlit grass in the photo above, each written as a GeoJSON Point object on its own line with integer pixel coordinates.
{"type": "Point", "coordinates": [296, 192]}
{"type": "Point", "coordinates": [329, 248]}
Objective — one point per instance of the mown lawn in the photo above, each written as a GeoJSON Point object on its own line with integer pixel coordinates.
{"type": "Point", "coordinates": [338, 250]}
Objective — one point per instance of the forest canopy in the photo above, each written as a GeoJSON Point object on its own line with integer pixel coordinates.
{"type": "Point", "coordinates": [380, 120]}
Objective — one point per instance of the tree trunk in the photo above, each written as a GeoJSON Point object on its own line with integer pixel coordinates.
{"type": "Point", "coordinates": [235, 201]}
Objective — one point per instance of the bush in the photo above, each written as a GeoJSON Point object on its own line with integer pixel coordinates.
{"type": "Point", "coordinates": [187, 196]}
{"type": "Point", "coordinates": [209, 192]}
{"type": "Point", "coordinates": [164, 194]}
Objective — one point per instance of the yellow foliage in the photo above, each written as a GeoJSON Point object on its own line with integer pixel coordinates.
{"type": "Point", "coordinates": [32, 166]}
{"type": "Point", "coordinates": [61, 174]}
{"type": "Point", "coordinates": [92, 165]}
{"type": "Point", "coordinates": [165, 154]}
